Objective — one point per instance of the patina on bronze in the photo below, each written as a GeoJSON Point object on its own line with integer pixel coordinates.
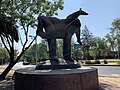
{"type": "Point", "coordinates": [52, 28]}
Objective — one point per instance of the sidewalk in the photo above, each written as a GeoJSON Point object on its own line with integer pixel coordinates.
{"type": "Point", "coordinates": [109, 83]}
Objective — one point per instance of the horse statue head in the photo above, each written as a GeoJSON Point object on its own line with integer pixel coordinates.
{"type": "Point", "coordinates": [82, 12]}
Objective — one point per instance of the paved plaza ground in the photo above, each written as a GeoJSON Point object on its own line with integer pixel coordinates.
{"type": "Point", "coordinates": [109, 83]}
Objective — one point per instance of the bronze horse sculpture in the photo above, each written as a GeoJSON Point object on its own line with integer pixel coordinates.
{"type": "Point", "coordinates": [51, 28]}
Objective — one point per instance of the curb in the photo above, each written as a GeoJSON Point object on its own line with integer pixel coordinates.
{"type": "Point", "coordinates": [99, 65]}
{"type": "Point", "coordinates": [110, 75]}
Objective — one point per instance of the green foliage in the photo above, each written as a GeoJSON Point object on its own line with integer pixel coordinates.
{"type": "Point", "coordinates": [105, 62]}
{"type": "Point", "coordinates": [3, 53]}
{"type": "Point", "coordinates": [25, 11]}
{"type": "Point", "coordinates": [96, 62]}
{"type": "Point", "coordinates": [82, 62]}
{"type": "Point", "coordinates": [116, 24]}
{"type": "Point", "coordinates": [118, 62]}
{"type": "Point", "coordinates": [1, 44]}
{"type": "Point", "coordinates": [41, 49]}
{"type": "Point", "coordinates": [29, 55]}
{"type": "Point", "coordinates": [92, 62]}
{"type": "Point", "coordinates": [115, 32]}
{"type": "Point", "coordinates": [107, 47]}
{"type": "Point", "coordinates": [98, 48]}
{"type": "Point", "coordinates": [88, 62]}
{"type": "Point", "coordinates": [24, 14]}
{"type": "Point", "coordinates": [59, 49]}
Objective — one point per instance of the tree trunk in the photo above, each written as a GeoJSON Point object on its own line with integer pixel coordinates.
{"type": "Point", "coordinates": [6, 71]}
{"type": "Point", "coordinates": [10, 66]}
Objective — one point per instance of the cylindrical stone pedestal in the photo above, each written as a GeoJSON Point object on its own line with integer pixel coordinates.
{"type": "Point", "coordinates": [64, 79]}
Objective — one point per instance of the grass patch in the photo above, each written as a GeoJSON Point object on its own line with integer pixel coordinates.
{"type": "Point", "coordinates": [92, 62]}
{"type": "Point", "coordinates": [88, 62]}
{"type": "Point", "coordinates": [101, 61]}
{"type": "Point", "coordinates": [118, 62]}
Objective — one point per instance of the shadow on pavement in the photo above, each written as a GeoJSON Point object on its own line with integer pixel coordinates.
{"type": "Point", "coordinates": [103, 86]}
{"type": "Point", "coordinates": [108, 86]}
{"type": "Point", "coordinates": [7, 85]}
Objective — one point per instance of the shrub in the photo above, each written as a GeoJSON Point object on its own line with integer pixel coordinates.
{"type": "Point", "coordinates": [105, 62]}
{"type": "Point", "coordinates": [96, 62]}
{"type": "Point", "coordinates": [82, 62]}
{"type": "Point", "coordinates": [88, 62]}
{"type": "Point", "coordinates": [118, 62]}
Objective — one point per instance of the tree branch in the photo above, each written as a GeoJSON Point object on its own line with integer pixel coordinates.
{"type": "Point", "coordinates": [3, 41]}
{"type": "Point", "coordinates": [31, 42]}
{"type": "Point", "coordinates": [23, 50]}
{"type": "Point", "coordinates": [20, 38]}
{"type": "Point", "coordinates": [8, 40]}
{"type": "Point", "coordinates": [26, 35]}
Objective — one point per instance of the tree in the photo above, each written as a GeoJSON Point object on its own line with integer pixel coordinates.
{"type": "Point", "coordinates": [113, 39]}
{"type": "Point", "coordinates": [116, 29]}
{"type": "Point", "coordinates": [110, 39]}
{"type": "Point", "coordinates": [111, 44]}
{"type": "Point", "coordinates": [116, 25]}
{"type": "Point", "coordinates": [86, 42]}
{"type": "Point", "coordinates": [59, 48]}
{"type": "Point", "coordinates": [23, 13]}
{"type": "Point", "coordinates": [1, 44]}
{"type": "Point", "coordinates": [30, 54]}
{"type": "Point", "coordinates": [42, 52]}
{"type": "Point", "coordinates": [4, 55]}
{"type": "Point", "coordinates": [99, 48]}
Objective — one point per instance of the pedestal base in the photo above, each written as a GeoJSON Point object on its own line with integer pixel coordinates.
{"type": "Point", "coordinates": [55, 67]}
{"type": "Point", "coordinates": [57, 64]}
{"type": "Point", "coordinates": [63, 79]}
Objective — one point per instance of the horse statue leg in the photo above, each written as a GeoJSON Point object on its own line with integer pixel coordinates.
{"type": "Point", "coordinates": [71, 28]}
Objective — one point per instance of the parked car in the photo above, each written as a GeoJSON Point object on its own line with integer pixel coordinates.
{"type": "Point", "coordinates": [25, 63]}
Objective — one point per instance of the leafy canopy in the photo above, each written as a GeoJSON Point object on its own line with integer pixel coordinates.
{"type": "Point", "coordinates": [24, 12]}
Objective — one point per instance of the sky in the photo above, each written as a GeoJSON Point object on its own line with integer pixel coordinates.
{"type": "Point", "coordinates": [101, 14]}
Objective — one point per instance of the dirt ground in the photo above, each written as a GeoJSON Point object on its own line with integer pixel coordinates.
{"type": "Point", "coordinates": [9, 74]}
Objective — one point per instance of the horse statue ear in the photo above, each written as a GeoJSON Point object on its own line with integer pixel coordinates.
{"type": "Point", "coordinates": [80, 9]}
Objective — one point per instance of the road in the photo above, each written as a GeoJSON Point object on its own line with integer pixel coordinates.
{"type": "Point", "coordinates": [18, 65]}
{"type": "Point", "coordinates": [102, 70]}
{"type": "Point", "coordinates": [108, 70]}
